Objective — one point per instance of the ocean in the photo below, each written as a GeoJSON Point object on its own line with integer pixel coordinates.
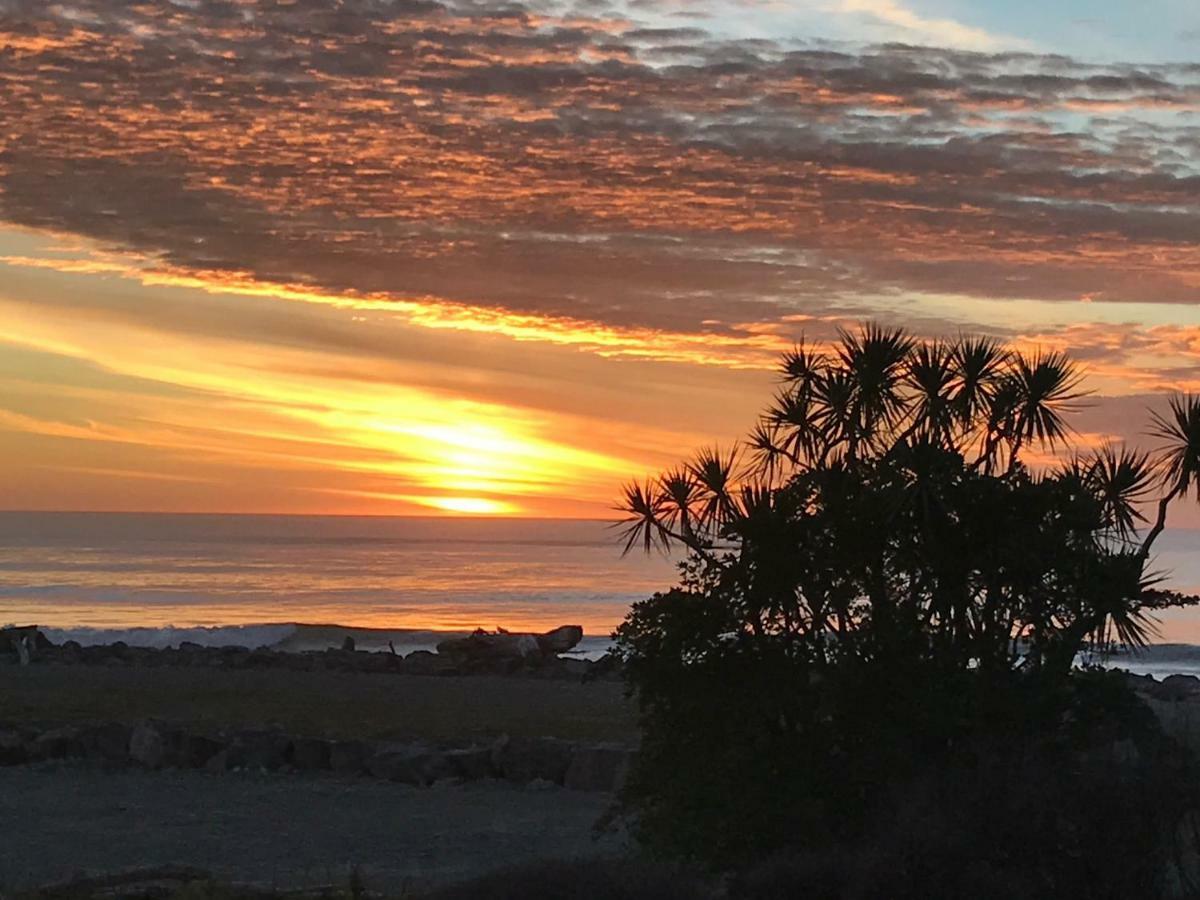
{"type": "Point", "coordinates": [306, 582]}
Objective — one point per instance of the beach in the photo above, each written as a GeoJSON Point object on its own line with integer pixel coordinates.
{"type": "Point", "coordinates": [101, 805]}
{"type": "Point", "coordinates": [282, 831]}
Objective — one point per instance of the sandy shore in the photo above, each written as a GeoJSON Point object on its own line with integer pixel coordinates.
{"type": "Point", "coordinates": [280, 830]}
{"type": "Point", "coordinates": [295, 829]}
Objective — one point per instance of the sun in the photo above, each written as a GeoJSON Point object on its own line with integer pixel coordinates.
{"type": "Point", "coordinates": [470, 506]}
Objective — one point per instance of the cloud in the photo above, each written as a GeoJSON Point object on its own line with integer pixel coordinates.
{"type": "Point", "coordinates": [919, 29]}
{"type": "Point", "coordinates": [580, 180]}
{"type": "Point", "coordinates": [551, 163]}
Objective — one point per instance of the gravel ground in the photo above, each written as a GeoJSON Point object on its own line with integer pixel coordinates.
{"type": "Point", "coordinates": [281, 830]}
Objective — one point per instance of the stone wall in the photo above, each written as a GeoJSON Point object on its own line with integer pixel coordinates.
{"type": "Point", "coordinates": [156, 745]}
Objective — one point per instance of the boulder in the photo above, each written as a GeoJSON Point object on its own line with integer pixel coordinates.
{"type": "Point", "coordinates": [525, 759]}
{"type": "Point", "coordinates": [349, 757]}
{"type": "Point", "coordinates": [12, 747]}
{"type": "Point", "coordinates": [147, 747]}
{"type": "Point", "coordinates": [262, 658]}
{"type": "Point", "coordinates": [598, 767]}
{"type": "Point", "coordinates": [310, 754]}
{"type": "Point", "coordinates": [1140, 682]}
{"type": "Point", "coordinates": [11, 637]}
{"type": "Point", "coordinates": [194, 750]}
{"type": "Point", "coordinates": [218, 762]}
{"type": "Point", "coordinates": [560, 639]}
{"type": "Point", "coordinates": [267, 750]}
{"type": "Point", "coordinates": [422, 662]}
{"type": "Point", "coordinates": [57, 743]}
{"type": "Point", "coordinates": [414, 765]}
{"type": "Point", "coordinates": [486, 646]}
{"type": "Point", "coordinates": [106, 743]}
{"type": "Point", "coordinates": [1176, 687]}
{"type": "Point", "coordinates": [471, 763]}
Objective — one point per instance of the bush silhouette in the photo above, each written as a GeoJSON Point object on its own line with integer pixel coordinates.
{"type": "Point", "coordinates": [880, 598]}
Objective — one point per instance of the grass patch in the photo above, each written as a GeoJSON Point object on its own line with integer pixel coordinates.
{"type": "Point", "coordinates": [320, 704]}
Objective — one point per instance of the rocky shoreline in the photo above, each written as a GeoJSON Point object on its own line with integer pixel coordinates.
{"type": "Point", "coordinates": [480, 654]}
{"type": "Point", "coordinates": [597, 767]}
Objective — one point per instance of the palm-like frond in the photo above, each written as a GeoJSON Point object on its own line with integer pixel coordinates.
{"type": "Point", "coordinates": [1124, 613]}
{"type": "Point", "coordinates": [644, 509]}
{"type": "Point", "coordinates": [767, 457]}
{"type": "Point", "coordinates": [795, 417]}
{"type": "Point", "coordinates": [713, 472]}
{"type": "Point", "coordinates": [875, 359]}
{"type": "Point", "coordinates": [930, 374]}
{"type": "Point", "coordinates": [833, 400]}
{"type": "Point", "coordinates": [978, 364]}
{"type": "Point", "coordinates": [800, 365]}
{"type": "Point", "coordinates": [1121, 480]}
{"type": "Point", "coordinates": [1044, 388]}
{"type": "Point", "coordinates": [1180, 457]}
{"type": "Point", "coordinates": [679, 495]}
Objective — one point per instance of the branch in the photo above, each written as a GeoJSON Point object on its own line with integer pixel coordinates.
{"type": "Point", "coordinates": [1160, 522]}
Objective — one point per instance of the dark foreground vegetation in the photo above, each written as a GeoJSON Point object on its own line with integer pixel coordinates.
{"type": "Point", "coordinates": [868, 682]}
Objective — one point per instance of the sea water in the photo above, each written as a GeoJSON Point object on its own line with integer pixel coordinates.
{"type": "Point", "coordinates": [306, 582]}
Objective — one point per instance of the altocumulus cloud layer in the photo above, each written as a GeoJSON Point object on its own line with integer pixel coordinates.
{"type": "Point", "coordinates": [399, 255]}
{"type": "Point", "coordinates": [569, 160]}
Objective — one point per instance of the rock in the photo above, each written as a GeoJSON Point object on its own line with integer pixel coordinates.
{"type": "Point", "coordinates": [471, 763]}
{"type": "Point", "coordinates": [12, 747]}
{"type": "Point", "coordinates": [1140, 682]}
{"type": "Point", "coordinates": [422, 662]}
{"type": "Point", "coordinates": [57, 743]}
{"type": "Point", "coordinates": [410, 765]}
{"type": "Point", "coordinates": [218, 762]}
{"type": "Point", "coordinates": [106, 743]}
{"type": "Point", "coordinates": [194, 751]}
{"type": "Point", "coordinates": [348, 644]}
{"type": "Point", "coordinates": [310, 754]}
{"type": "Point", "coordinates": [267, 750]}
{"type": "Point", "coordinates": [11, 637]}
{"type": "Point", "coordinates": [524, 759]}
{"type": "Point", "coordinates": [190, 647]}
{"type": "Point", "coordinates": [598, 767]}
{"type": "Point", "coordinates": [561, 639]}
{"type": "Point", "coordinates": [1176, 687]}
{"type": "Point", "coordinates": [262, 658]}
{"type": "Point", "coordinates": [349, 757]}
{"type": "Point", "coordinates": [487, 647]}
{"type": "Point", "coordinates": [147, 746]}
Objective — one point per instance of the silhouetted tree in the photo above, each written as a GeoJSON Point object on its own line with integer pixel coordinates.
{"type": "Point", "coordinates": [877, 583]}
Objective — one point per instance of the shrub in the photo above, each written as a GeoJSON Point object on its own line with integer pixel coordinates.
{"type": "Point", "coordinates": [880, 595]}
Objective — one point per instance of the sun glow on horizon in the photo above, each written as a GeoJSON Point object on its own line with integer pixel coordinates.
{"type": "Point", "coordinates": [468, 506]}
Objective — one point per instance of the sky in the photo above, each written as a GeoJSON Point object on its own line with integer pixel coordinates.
{"type": "Point", "coordinates": [464, 256]}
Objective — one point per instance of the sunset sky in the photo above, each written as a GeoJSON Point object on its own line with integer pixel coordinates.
{"type": "Point", "coordinates": [405, 256]}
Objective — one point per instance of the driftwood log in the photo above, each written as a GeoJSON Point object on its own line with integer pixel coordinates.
{"type": "Point", "coordinates": [498, 645]}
